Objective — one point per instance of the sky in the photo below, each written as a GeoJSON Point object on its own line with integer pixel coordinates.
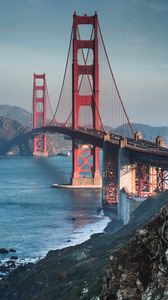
{"type": "Point", "coordinates": [35, 36]}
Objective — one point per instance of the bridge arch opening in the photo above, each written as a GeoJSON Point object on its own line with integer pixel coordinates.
{"type": "Point", "coordinates": [85, 56]}
{"type": "Point", "coordinates": [39, 81]}
{"type": "Point", "coordinates": [85, 32]}
{"type": "Point", "coordinates": [85, 85]}
{"type": "Point", "coordinates": [85, 117]}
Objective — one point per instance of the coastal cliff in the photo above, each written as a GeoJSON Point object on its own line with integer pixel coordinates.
{"type": "Point", "coordinates": [130, 263]}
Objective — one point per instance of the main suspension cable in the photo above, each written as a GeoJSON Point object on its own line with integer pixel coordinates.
{"type": "Point", "coordinates": [62, 86]}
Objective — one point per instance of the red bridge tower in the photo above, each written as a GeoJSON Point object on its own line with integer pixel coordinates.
{"type": "Point", "coordinates": [39, 114]}
{"type": "Point", "coordinates": [85, 157]}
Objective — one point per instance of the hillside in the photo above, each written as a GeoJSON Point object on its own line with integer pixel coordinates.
{"type": "Point", "coordinates": [148, 132]}
{"type": "Point", "coordinates": [16, 113]}
{"type": "Point", "coordinates": [13, 142]}
{"type": "Point", "coordinates": [10, 143]}
{"type": "Point", "coordinates": [16, 120]}
{"type": "Point", "coordinates": [128, 264]}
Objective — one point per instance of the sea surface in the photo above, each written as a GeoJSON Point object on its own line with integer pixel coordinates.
{"type": "Point", "coordinates": [35, 218]}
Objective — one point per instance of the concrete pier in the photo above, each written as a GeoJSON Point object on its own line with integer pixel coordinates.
{"type": "Point", "coordinates": [73, 187]}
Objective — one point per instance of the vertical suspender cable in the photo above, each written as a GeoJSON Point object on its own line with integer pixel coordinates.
{"type": "Point", "coordinates": [122, 104]}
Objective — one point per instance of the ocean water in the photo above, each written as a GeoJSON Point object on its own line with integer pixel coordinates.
{"type": "Point", "coordinates": [34, 218]}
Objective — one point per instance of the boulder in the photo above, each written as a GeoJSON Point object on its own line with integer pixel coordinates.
{"type": "Point", "coordinates": [3, 251]}
{"type": "Point", "coordinates": [14, 257]}
{"type": "Point", "coordinates": [12, 250]}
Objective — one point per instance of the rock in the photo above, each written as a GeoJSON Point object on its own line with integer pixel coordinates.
{"type": "Point", "coordinates": [14, 257]}
{"type": "Point", "coordinates": [142, 232]}
{"type": "Point", "coordinates": [166, 256]}
{"type": "Point", "coordinates": [3, 251]}
{"type": "Point", "coordinates": [139, 285]}
{"type": "Point", "coordinates": [11, 263]}
{"type": "Point", "coordinates": [99, 209]}
{"type": "Point", "coordinates": [80, 255]}
{"type": "Point", "coordinates": [68, 241]}
{"type": "Point", "coordinates": [3, 269]}
{"type": "Point", "coordinates": [73, 219]}
{"type": "Point", "coordinates": [139, 270]}
{"type": "Point", "coordinates": [12, 250]}
{"type": "Point", "coordinates": [84, 291]}
{"type": "Point", "coordinates": [74, 293]}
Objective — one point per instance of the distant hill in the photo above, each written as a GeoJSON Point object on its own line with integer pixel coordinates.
{"type": "Point", "coordinates": [17, 114]}
{"type": "Point", "coordinates": [148, 132]}
{"type": "Point", "coordinates": [13, 128]}
{"type": "Point", "coordinates": [10, 143]}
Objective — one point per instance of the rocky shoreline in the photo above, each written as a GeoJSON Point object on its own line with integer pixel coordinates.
{"type": "Point", "coordinates": [87, 271]}
{"type": "Point", "coordinates": [8, 264]}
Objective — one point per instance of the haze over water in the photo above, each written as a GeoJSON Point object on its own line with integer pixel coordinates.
{"type": "Point", "coordinates": [34, 218]}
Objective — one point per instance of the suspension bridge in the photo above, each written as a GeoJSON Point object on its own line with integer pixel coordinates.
{"type": "Point", "coordinates": [91, 111]}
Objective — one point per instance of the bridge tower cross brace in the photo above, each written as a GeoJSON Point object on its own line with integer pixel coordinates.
{"type": "Point", "coordinates": [79, 152]}
{"type": "Point", "coordinates": [39, 115]}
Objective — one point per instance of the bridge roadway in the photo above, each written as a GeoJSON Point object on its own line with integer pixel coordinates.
{"type": "Point", "coordinates": [146, 151]}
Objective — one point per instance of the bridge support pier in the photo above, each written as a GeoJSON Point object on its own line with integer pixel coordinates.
{"type": "Point", "coordinates": [86, 161]}
{"type": "Point", "coordinates": [110, 174]}
{"type": "Point", "coordinates": [127, 172]}
{"type": "Point", "coordinates": [143, 179]}
{"type": "Point", "coordinates": [161, 178]}
{"type": "Point", "coordinates": [118, 172]}
{"type": "Point", "coordinates": [127, 178]}
{"type": "Point", "coordinates": [87, 182]}
{"type": "Point", "coordinates": [150, 180]}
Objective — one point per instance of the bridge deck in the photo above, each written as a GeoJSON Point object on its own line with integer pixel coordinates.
{"type": "Point", "coordinates": [147, 149]}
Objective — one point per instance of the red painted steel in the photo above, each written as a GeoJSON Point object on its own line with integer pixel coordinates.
{"type": "Point", "coordinates": [84, 100]}
{"type": "Point", "coordinates": [150, 180]}
{"type": "Point", "coordinates": [39, 114]}
{"type": "Point", "coordinates": [161, 180]}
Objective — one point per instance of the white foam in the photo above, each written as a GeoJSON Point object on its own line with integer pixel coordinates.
{"type": "Point", "coordinates": [19, 262]}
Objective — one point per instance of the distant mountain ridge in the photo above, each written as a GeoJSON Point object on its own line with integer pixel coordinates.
{"type": "Point", "coordinates": [148, 132]}
{"type": "Point", "coordinates": [11, 142]}
{"type": "Point", "coordinates": [14, 122]}
{"type": "Point", "coordinates": [17, 114]}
